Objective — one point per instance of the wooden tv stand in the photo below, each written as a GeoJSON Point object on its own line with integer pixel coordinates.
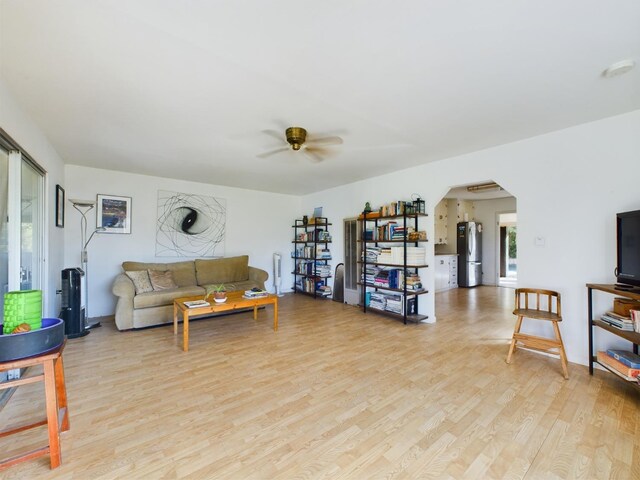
{"type": "Point", "coordinates": [633, 337]}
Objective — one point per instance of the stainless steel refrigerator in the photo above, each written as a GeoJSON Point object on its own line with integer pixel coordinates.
{"type": "Point", "coordinates": [469, 254]}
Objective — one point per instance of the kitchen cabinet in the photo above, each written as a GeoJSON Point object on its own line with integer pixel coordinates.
{"type": "Point", "coordinates": [446, 272]}
{"type": "Point", "coordinates": [441, 222]}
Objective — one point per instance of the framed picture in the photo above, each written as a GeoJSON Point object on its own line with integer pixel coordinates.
{"type": "Point", "coordinates": [113, 214]}
{"type": "Point", "coordinates": [60, 197]}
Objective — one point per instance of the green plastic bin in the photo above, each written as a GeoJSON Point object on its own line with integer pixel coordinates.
{"type": "Point", "coordinates": [23, 306]}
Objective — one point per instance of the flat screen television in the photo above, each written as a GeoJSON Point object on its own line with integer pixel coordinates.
{"type": "Point", "coordinates": [628, 264]}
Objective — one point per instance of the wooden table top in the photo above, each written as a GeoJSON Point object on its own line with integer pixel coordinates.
{"type": "Point", "coordinates": [235, 299]}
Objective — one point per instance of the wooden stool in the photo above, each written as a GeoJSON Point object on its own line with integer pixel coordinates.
{"type": "Point", "coordinates": [547, 345]}
{"type": "Point", "coordinates": [56, 403]}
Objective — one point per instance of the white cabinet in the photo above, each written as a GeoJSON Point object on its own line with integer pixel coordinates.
{"type": "Point", "coordinates": [446, 272]}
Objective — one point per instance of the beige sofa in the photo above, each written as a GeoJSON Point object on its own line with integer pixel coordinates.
{"type": "Point", "coordinates": [192, 277]}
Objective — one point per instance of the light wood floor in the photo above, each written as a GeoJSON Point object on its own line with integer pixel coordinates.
{"type": "Point", "coordinates": [334, 394]}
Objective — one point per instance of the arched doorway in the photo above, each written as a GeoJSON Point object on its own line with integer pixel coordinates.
{"type": "Point", "coordinates": [482, 205]}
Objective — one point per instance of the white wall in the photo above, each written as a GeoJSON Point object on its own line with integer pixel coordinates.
{"type": "Point", "coordinates": [258, 224]}
{"type": "Point", "coordinates": [569, 184]}
{"type": "Point", "coordinates": [23, 130]}
{"type": "Point", "coordinates": [485, 213]}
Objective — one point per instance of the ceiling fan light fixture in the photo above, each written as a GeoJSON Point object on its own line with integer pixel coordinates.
{"type": "Point", "coordinates": [296, 136]}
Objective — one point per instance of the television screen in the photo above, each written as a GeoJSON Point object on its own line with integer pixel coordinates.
{"type": "Point", "coordinates": [628, 266]}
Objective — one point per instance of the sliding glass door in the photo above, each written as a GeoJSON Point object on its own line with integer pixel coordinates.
{"type": "Point", "coordinates": [4, 226]}
{"type": "Point", "coordinates": [31, 234]}
{"type": "Point", "coordinates": [21, 224]}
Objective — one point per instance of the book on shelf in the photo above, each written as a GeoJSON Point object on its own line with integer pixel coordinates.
{"type": "Point", "coordinates": [391, 302]}
{"type": "Point", "coordinates": [625, 371]}
{"type": "Point", "coordinates": [635, 317]}
{"type": "Point", "coordinates": [630, 359]}
{"type": "Point", "coordinates": [324, 290]}
{"type": "Point", "coordinates": [618, 321]}
{"type": "Point", "coordinates": [196, 303]}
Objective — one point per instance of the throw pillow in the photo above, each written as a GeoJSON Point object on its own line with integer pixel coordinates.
{"type": "Point", "coordinates": [162, 280]}
{"type": "Point", "coordinates": [140, 281]}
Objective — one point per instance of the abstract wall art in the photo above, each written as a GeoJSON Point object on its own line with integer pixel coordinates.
{"type": "Point", "coordinates": [190, 225]}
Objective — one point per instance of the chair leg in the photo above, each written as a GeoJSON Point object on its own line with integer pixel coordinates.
{"type": "Point", "coordinates": [563, 355]}
{"type": "Point", "coordinates": [51, 402]}
{"type": "Point", "coordinates": [512, 348]}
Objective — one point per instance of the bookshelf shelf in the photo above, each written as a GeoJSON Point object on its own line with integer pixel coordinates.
{"type": "Point", "coordinates": [399, 290]}
{"type": "Point", "coordinates": [310, 276]}
{"type": "Point", "coordinates": [311, 269]}
{"type": "Point", "coordinates": [393, 264]}
{"type": "Point", "coordinates": [595, 323]}
{"type": "Point", "coordinates": [413, 318]}
{"type": "Point", "coordinates": [311, 258]}
{"type": "Point", "coordinates": [393, 241]}
{"type": "Point", "coordinates": [386, 237]}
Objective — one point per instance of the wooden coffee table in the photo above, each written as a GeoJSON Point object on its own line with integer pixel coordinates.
{"type": "Point", "coordinates": [235, 301]}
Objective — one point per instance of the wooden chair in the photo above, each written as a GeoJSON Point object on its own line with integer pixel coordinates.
{"type": "Point", "coordinates": [550, 312]}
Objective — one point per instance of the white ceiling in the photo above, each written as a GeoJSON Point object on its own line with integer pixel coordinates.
{"type": "Point", "coordinates": [183, 89]}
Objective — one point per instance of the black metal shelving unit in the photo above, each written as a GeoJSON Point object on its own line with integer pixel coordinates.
{"type": "Point", "coordinates": [633, 337]}
{"type": "Point", "coordinates": [407, 295]}
{"type": "Point", "coordinates": [307, 230]}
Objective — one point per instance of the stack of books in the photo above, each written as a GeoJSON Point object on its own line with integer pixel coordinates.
{"type": "Point", "coordinates": [621, 362]}
{"type": "Point", "coordinates": [371, 254]}
{"type": "Point", "coordinates": [324, 290]}
{"type": "Point", "coordinates": [618, 321]}
{"type": "Point", "coordinates": [255, 293]}
{"type": "Point", "coordinates": [413, 282]}
{"type": "Point", "coordinates": [395, 255]}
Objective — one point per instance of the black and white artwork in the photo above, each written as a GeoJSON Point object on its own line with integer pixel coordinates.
{"type": "Point", "coordinates": [190, 225]}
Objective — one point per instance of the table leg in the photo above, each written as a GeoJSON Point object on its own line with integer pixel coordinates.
{"type": "Point", "coordinates": [275, 315]}
{"type": "Point", "coordinates": [52, 412]}
{"type": "Point", "coordinates": [175, 318]}
{"type": "Point", "coordinates": [255, 312]}
{"type": "Point", "coordinates": [61, 392]}
{"type": "Point", "coordinates": [185, 330]}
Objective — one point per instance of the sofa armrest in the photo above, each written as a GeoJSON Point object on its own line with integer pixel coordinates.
{"type": "Point", "coordinates": [124, 289]}
{"type": "Point", "coordinates": [259, 276]}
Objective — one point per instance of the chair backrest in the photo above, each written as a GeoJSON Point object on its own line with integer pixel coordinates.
{"type": "Point", "coordinates": [547, 305]}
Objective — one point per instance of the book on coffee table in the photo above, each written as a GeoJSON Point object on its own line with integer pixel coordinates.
{"type": "Point", "coordinates": [197, 303]}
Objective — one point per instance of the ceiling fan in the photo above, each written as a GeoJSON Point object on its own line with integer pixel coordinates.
{"type": "Point", "coordinates": [296, 137]}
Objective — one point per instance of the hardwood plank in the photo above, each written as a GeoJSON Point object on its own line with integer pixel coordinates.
{"type": "Point", "coordinates": [333, 394]}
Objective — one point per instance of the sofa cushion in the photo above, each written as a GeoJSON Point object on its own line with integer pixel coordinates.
{"type": "Point", "coordinates": [165, 297]}
{"type": "Point", "coordinates": [140, 280]}
{"type": "Point", "coordinates": [222, 270]}
{"type": "Point", "coordinates": [184, 273]}
{"type": "Point", "coordinates": [242, 286]}
{"type": "Point", "coordinates": [162, 280]}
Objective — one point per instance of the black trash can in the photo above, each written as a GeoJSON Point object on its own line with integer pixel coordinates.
{"type": "Point", "coordinates": [71, 311]}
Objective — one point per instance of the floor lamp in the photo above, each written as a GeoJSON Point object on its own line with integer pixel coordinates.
{"type": "Point", "coordinates": [84, 207]}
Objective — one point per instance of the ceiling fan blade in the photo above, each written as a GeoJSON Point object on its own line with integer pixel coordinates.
{"type": "Point", "coordinates": [272, 152]}
{"type": "Point", "coordinates": [273, 133]}
{"type": "Point", "coordinates": [313, 155]}
{"type": "Point", "coordinates": [326, 141]}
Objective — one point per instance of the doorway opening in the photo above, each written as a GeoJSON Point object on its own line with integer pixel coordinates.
{"type": "Point", "coordinates": [465, 207]}
{"type": "Point", "coordinates": [507, 253]}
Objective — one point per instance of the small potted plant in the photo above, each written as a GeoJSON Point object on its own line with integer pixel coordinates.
{"type": "Point", "coordinates": [219, 293]}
